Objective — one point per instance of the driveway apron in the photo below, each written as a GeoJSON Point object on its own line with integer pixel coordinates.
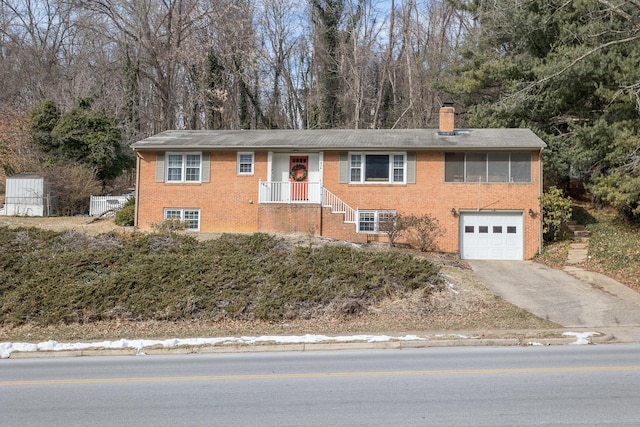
{"type": "Point", "coordinates": [596, 301]}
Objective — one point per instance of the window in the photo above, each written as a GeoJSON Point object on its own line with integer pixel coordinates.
{"type": "Point", "coordinates": [476, 167]}
{"type": "Point", "coordinates": [369, 221]}
{"type": "Point", "coordinates": [520, 167]}
{"type": "Point", "coordinates": [184, 167]}
{"type": "Point", "coordinates": [496, 166]}
{"type": "Point", "coordinates": [191, 217]}
{"type": "Point", "coordinates": [245, 163]}
{"type": "Point", "coordinates": [377, 168]}
{"type": "Point", "coordinates": [454, 167]}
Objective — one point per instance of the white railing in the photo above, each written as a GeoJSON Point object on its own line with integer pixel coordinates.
{"type": "Point", "coordinates": [330, 200]}
{"type": "Point", "coordinates": [289, 192]}
{"type": "Point", "coordinates": [304, 192]}
{"type": "Point", "coordinates": [101, 204]}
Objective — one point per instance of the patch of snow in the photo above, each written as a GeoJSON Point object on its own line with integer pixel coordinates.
{"type": "Point", "coordinates": [581, 337]}
{"type": "Point", "coordinates": [450, 286]}
{"type": "Point", "coordinates": [6, 348]}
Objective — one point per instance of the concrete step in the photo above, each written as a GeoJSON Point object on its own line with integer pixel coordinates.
{"type": "Point", "coordinates": [579, 246]}
{"type": "Point", "coordinates": [577, 227]}
{"type": "Point", "coordinates": [580, 239]}
{"type": "Point", "coordinates": [577, 256]}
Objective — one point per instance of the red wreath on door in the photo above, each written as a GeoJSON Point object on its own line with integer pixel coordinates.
{"type": "Point", "coordinates": [298, 172]}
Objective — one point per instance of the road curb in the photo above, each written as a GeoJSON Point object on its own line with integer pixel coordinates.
{"type": "Point", "coordinates": [323, 346]}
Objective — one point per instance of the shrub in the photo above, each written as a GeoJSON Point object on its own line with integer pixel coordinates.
{"type": "Point", "coordinates": [169, 224]}
{"type": "Point", "coordinates": [47, 279]}
{"type": "Point", "coordinates": [72, 186]}
{"type": "Point", "coordinates": [422, 231]}
{"type": "Point", "coordinates": [126, 215]}
{"type": "Point", "coordinates": [556, 211]}
{"type": "Point", "coordinates": [394, 226]}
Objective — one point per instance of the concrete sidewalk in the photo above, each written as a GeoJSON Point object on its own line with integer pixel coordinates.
{"type": "Point", "coordinates": [588, 300]}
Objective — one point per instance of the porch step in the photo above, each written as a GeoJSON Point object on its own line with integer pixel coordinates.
{"type": "Point", "coordinates": [579, 248]}
{"type": "Point", "coordinates": [338, 206]}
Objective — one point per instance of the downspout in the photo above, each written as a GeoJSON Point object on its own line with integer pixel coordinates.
{"type": "Point", "coordinates": [135, 216]}
{"type": "Point", "coordinates": [540, 191]}
{"type": "Point", "coordinates": [321, 209]}
{"type": "Point", "coordinates": [321, 180]}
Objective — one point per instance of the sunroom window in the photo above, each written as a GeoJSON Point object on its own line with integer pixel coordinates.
{"type": "Point", "coordinates": [184, 167]}
{"type": "Point", "coordinates": [377, 168]}
{"type": "Point", "coordinates": [495, 166]}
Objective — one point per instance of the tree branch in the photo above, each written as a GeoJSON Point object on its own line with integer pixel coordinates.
{"type": "Point", "coordinates": [572, 64]}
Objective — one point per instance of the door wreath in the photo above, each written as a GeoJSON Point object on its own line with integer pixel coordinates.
{"type": "Point", "coordinates": [298, 172]}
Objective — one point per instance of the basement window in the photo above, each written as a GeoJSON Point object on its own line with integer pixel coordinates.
{"type": "Point", "coordinates": [374, 221]}
{"type": "Point", "coordinates": [191, 217]}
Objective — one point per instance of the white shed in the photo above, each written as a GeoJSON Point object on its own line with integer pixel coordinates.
{"type": "Point", "coordinates": [26, 195]}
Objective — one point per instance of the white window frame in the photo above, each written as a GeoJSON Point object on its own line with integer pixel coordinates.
{"type": "Point", "coordinates": [240, 163]}
{"type": "Point", "coordinates": [183, 167]}
{"type": "Point", "coordinates": [377, 214]}
{"type": "Point", "coordinates": [183, 214]}
{"type": "Point", "coordinates": [358, 168]}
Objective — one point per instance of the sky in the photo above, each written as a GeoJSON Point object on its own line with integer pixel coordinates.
{"type": "Point", "coordinates": [6, 348]}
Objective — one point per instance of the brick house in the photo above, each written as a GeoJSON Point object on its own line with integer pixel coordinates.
{"type": "Point", "coordinates": [482, 185]}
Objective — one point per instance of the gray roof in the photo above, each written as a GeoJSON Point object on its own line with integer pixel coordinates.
{"type": "Point", "coordinates": [342, 139]}
{"type": "Point", "coordinates": [26, 175]}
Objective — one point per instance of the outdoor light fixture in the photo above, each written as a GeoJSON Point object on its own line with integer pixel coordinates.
{"type": "Point", "coordinates": [453, 211]}
{"type": "Point", "coordinates": [531, 213]}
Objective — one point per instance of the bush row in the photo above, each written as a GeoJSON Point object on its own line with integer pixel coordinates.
{"type": "Point", "coordinates": [49, 278]}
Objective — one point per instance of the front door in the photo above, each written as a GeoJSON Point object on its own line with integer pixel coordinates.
{"type": "Point", "coordinates": [298, 176]}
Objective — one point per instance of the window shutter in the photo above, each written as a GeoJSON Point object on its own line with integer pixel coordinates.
{"type": "Point", "coordinates": [160, 167]}
{"type": "Point", "coordinates": [343, 167]}
{"type": "Point", "coordinates": [206, 167]}
{"type": "Point", "coordinates": [411, 168]}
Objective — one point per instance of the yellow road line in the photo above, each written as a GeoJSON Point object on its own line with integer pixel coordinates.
{"type": "Point", "coordinates": [319, 375]}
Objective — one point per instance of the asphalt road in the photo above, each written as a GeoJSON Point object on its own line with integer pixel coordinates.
{"type": "Point", "coordinates": [564, 385]}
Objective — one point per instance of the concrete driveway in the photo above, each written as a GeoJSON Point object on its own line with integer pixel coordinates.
{"type": "Point", "coordinates": [588, 300]}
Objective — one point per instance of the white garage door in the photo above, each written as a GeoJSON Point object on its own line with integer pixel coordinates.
{"type": "Point", "coordinates": [491, 235]}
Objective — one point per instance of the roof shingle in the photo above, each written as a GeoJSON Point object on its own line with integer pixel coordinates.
{"type": "Point", "coordinates": [342, 139]}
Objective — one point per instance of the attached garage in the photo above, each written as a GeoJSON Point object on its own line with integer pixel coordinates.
{"type": "Point", "coordinates": [492, 235]}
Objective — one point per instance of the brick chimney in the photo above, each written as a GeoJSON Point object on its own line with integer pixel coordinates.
{"type": "Point", "coordinates": [447, 119]}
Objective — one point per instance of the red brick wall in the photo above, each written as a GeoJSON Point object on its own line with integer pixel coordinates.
{"type": "Point", "coordinates": [289, 218]}
{"type": "Point", "coordinates": [229, 202]}
{"type": "Point", "coordinates": [433, 196]}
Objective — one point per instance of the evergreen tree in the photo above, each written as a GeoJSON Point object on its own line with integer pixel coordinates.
{"type": "Point", "coordinates": [568, 70]}
{"type": "Point", "coordinates": [81, 135]}
{"type": "Point", "coordinates": [44, 118]}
